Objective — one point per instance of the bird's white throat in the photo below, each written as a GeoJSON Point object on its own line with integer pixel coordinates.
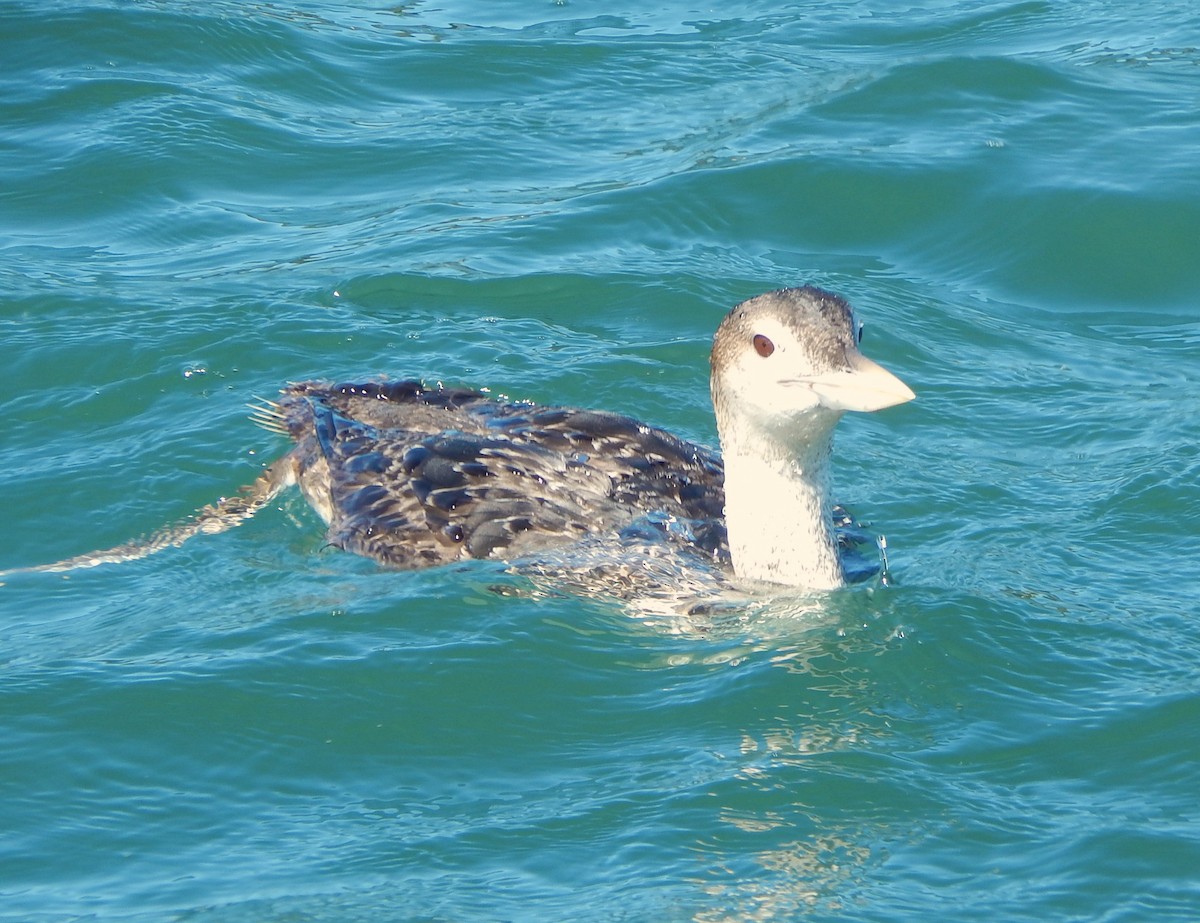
{"type": "Point", "coordinates": [778, 506]}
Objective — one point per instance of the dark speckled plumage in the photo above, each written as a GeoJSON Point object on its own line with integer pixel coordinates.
{"type": "Point", "coordinates": [413, 476]}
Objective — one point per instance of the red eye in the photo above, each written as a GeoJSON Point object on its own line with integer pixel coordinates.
{"type": "Point", "coordinates": [763, 346]}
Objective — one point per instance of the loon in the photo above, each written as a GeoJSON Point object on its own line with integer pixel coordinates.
{"type": "Point", "coordinates": [414, 476]}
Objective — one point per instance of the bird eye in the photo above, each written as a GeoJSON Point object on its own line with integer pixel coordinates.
{"type": "Point", "coordinates": [762, 345]}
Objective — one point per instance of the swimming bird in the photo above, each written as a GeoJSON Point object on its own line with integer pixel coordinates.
{"type": "Point", "coordinates": [415, 476]}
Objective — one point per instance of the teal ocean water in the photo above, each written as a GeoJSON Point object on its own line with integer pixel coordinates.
{"type": "Point", "coordinates": [558, 201]}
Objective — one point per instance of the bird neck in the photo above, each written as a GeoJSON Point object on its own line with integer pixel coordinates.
{"type": "Point", "coordinates": [778, 509]}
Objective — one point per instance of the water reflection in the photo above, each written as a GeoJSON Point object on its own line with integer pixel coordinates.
{"type": "Point", "coordinates": [801, 814]}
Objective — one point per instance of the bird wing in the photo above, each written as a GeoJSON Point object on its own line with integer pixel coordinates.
{"type": "Point", "coordinates": [413, 476]}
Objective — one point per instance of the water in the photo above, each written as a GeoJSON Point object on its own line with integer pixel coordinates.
{"type": "Point", "coordinates": [200, 201]}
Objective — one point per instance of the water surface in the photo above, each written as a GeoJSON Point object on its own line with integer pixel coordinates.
{"type": "Point", "coordinates": [201, 201]}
